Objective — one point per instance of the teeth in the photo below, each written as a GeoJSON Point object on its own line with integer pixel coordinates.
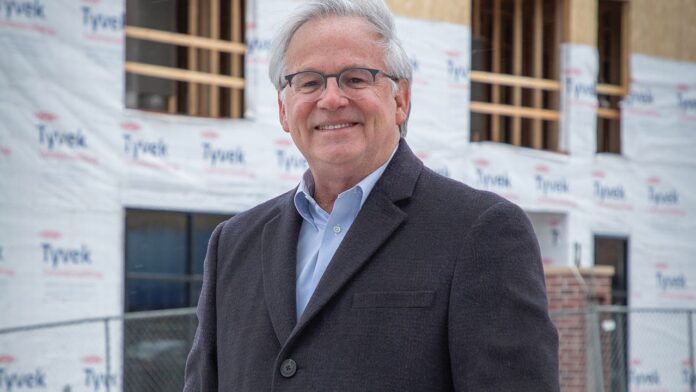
{"type": "Point", "coordinates": [336, 126]}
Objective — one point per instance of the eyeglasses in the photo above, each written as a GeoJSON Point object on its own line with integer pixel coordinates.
{"type": "Point", "coordinates": [311, 84]}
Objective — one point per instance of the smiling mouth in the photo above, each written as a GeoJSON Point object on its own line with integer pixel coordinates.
{"type": "Point", "coordinates": [334, 126]}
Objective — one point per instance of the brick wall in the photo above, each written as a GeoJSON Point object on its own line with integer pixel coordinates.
{"type": "Point", "coordinates": [570, 291]}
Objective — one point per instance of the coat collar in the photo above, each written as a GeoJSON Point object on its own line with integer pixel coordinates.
{"type": "Point", "coordinates": [378, 218]}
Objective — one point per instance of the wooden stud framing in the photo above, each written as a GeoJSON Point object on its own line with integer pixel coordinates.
{"type": "Point", "coordinates": [497, 55]}
{"type": "Point", "coordinates": [203, 46]}
{"type": "Point", "coordinates": [214, 92]}
{"type": "Point", "coordinates": [171, 104]}
{"type": "Point", "coordinates": [516, 139]}
{"type": "Point", "coordinates": [184, 40]}
{"type": "Point", "coordinates": [204, 63]}
{"type": "Point", "coordinates": [525, 69]}
{"type": "Point", "coordinates": [193, 77]}
{"type": "Point", "coordinates": [610, 114]}
{"type": "Point", "coordinates": [236, 36]}
{"type": "Point", "coordinates": [614, 60]}
{"type": "Point", "coordinates": [625, 45]}
{"type": "Point", "coordinates": [625, 55]}
{"type": "Point", "coordinates": [537, 70]}
{"type": "Point", "coordinates": [192, 104]}
{"type": "Point", "coordinates": [610, 89]}
{"type": "Point", "coordinates": [509, 110]}
{"type": "Point", "coordinates": [562, 33]}
{"type": "Point", "coordinates": [509, 80]}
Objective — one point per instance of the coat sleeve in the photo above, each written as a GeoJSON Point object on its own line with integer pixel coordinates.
{"type": "Point", "coordinates": [500, 334]}
{"type": "Point", "coordinates": [201, 365]}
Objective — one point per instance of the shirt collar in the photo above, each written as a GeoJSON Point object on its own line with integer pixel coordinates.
{"type": "Point", "coordinates": [304, 200]}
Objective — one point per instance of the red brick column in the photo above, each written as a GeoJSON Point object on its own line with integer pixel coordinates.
{"type": "Point", "coordinates": [570, 290]}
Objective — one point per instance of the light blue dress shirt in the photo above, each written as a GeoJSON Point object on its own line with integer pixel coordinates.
{"type": "Point", "coordinates": [322, 233]}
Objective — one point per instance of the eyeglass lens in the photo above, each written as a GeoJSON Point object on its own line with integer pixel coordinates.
{"type": "Point", "coordinates": [348, 80]}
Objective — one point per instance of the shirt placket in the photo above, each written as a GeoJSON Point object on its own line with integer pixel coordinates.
{"type": "Point", "coordinates": [337, 225]}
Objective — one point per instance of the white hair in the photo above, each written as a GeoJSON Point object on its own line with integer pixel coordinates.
{"type": "Point", "coordinates": [374, 12]}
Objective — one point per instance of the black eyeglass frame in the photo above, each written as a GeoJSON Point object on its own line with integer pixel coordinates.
{"type": "Point", "coordinates": [325, 78]}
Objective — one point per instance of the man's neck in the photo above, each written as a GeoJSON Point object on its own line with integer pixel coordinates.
{"type": "Point", "coordinates": [331, 182]}
{"type": "Point", "coordinates": [326, 192]}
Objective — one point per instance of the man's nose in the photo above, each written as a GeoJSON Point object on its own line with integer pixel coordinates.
{"type": "Point", "coordinates": [332, 97]}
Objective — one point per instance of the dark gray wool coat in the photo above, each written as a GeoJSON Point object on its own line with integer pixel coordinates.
{"type": "Point", "coordinates": [436, 287]}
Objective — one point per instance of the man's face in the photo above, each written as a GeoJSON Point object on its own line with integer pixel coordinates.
{"type": "Point", "coordinates": [334, 132]}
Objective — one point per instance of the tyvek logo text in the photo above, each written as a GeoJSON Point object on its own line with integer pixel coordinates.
{"type": "Point", "coordinates": [551, 186]}
{"type": "Point", "coordinates": [608, 192]}
{"type": "Point", "coordinates": [53, 138]}
{"type": "Point", "coordinates": [488, 180]}
{"type": "Point", "coordinates": [58, 256]}
{"type": "Point", "coordinates": [22, 381]}
{"type": "Point", "coordinates": [98, 381]}
{"type": "Point", "coordinates": [138, 148]}
{"type": "Point", "coordinates": [10, 9]}
{"type": "Point", "coordinates": [98, 22]}
{"type": "Point", "coordinates": [217, 156]}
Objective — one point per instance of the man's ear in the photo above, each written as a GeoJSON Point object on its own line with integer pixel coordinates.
{"type": "Point", "coordinates": [403, 102]}
{"type": "Point", "coordinates": [282, 113]}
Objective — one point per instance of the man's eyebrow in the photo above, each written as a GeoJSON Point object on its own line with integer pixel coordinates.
{"type": "Point", "coordinates": [329, 73]}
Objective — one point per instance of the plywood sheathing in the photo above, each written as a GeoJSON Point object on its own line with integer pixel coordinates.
{"type": "Point", "coordinates": [664, 28]}
{"type": "Point", "coordinates": [436, 10]}
{"type": "Point", "coordinates": [581, 22]}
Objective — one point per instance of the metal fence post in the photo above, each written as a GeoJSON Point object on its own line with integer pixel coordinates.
{"type": "Point", "coordinates": [107, 340]}
{"type": "Point", "coordinates": [594, 366]}
{"type": "Point", "coordinates": [622, 354]}
{"type": "Point", "coordinates": [690, 324]}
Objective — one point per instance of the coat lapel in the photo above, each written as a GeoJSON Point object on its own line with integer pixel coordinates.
{"type": "Point", "coordinates": [375, 223]}
{"type": "Point", "coordinates": [279, 248]}
{"type": "Point", "coordinates": [377, 220]}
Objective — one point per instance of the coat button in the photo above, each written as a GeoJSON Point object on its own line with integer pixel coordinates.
{"type": "Point", "coordinates": [288, 368]}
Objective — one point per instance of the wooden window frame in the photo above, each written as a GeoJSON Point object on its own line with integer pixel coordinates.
{"type": "Point", "coordinates": [203, 78]}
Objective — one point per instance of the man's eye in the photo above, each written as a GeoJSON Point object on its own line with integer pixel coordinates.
{"type": "Point", "coordinates": [355, 82]}
{"type": "Point", "coordinates": [309, 84]}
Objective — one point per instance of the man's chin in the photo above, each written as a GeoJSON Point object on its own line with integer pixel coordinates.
{"type": "Point", "coordinates": [340, 156]}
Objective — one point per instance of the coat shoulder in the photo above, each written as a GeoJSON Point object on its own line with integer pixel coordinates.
{"type": "Point", "coordinates": [457, 197]}
{"type": "Point", "coordinates": [256, 217]}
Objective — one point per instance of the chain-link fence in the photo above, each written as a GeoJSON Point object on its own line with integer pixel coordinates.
{"type": "Point", "coordinates": [135, 352]}
{"type": "Point", "coordinates": [155, 350]}
{"type": "Point", "coordinates": [619, 349]}
{"type": "Point", "coordinates": [147, 351]}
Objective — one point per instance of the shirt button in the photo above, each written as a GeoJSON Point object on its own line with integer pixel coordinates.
{"type": "Point", "coordinates": [288, 368]}
{"type": "Point", "coordinates": [337, 229]}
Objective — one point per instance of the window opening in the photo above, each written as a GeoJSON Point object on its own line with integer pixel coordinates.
{"type": "Point", "coordinates": [164, 258]}
{"type": "Point", "coordinates": [185, 57]}
{"type": "Point", "coordinates": [515, 72]}
{"type": "Point", "coordinates": [612, 83]}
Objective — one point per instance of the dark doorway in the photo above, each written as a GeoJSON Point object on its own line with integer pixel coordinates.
{"type": "Point", "coordinates": [613, 251]}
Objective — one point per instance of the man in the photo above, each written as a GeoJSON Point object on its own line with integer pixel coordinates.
{"type": "Point", "coordinates": [375, 274]}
